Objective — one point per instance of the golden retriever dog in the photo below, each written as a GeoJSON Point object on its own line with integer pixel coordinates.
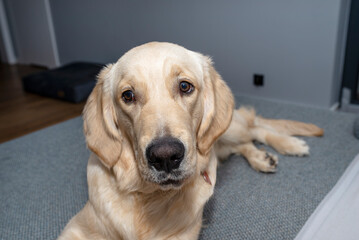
{"type": "Point", "coordinates": [156, 123]}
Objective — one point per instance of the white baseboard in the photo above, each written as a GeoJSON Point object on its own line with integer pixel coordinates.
{"type": "Point", "coordinates": [334, 107]}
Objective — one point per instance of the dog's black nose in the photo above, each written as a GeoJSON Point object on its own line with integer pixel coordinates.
{"type": "Point", "coordinates": [165, 154]}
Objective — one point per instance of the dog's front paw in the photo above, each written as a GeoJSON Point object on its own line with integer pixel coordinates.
{"type": "Point", "coordinates": [264, 162]}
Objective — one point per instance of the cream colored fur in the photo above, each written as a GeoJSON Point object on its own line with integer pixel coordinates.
{"type": "Point", "coordinates": [126, 197]}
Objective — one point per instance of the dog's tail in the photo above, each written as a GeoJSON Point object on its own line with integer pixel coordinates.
{"type": "Point", "coordinates": [288, 127]}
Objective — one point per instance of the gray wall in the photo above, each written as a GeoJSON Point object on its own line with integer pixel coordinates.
{"type": "Point", "coordinates": [296, 44]}
{"type": "Point", "coordinates": [31, 31]}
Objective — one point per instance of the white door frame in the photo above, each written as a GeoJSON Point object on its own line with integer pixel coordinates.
{"type": "Point", "coordinates": [6, 45]}
{"type": "Point", "coordinates": [52, 33]}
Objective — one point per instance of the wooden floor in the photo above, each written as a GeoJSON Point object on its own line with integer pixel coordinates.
{"type": "Point", "coordinates": [21, 112]}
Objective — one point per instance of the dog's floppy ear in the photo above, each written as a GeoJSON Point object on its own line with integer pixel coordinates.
{"type": "Point", "coordinates": [100, 122]}
{"type": "Point", "coordinates": [218, 104]}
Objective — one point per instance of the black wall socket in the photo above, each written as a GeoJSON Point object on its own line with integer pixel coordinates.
{"type": "Point", "coordinates": [258, 80]}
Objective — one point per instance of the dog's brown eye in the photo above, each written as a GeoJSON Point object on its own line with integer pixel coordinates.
{"type": "Point", "coordinates": [128, 96]}
{"type": "Point", "coordinates": [186, 87]}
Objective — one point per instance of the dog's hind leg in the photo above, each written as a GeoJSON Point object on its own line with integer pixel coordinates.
{"type": "Point", "coordinates": [279, 135]}
{"type": "Point", "coordinates": [246, 127]}
{"type": "Point", "coordinates": [284, 144]}
{"type": "Point", "coordinates": [238, 140]}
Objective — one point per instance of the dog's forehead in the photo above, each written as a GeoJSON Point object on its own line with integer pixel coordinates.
{"type": "Point", "coordinates": [160, 60]}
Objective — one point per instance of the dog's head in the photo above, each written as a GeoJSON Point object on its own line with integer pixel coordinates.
{"type": "Point", "coordinates": [155, 112]}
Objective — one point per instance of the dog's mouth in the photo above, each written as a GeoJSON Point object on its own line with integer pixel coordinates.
{"type": "Point", "coordinates": [172, 182]}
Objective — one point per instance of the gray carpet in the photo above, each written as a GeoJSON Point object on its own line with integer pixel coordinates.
{"type": "Point", "coordinates": [43, 180]}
